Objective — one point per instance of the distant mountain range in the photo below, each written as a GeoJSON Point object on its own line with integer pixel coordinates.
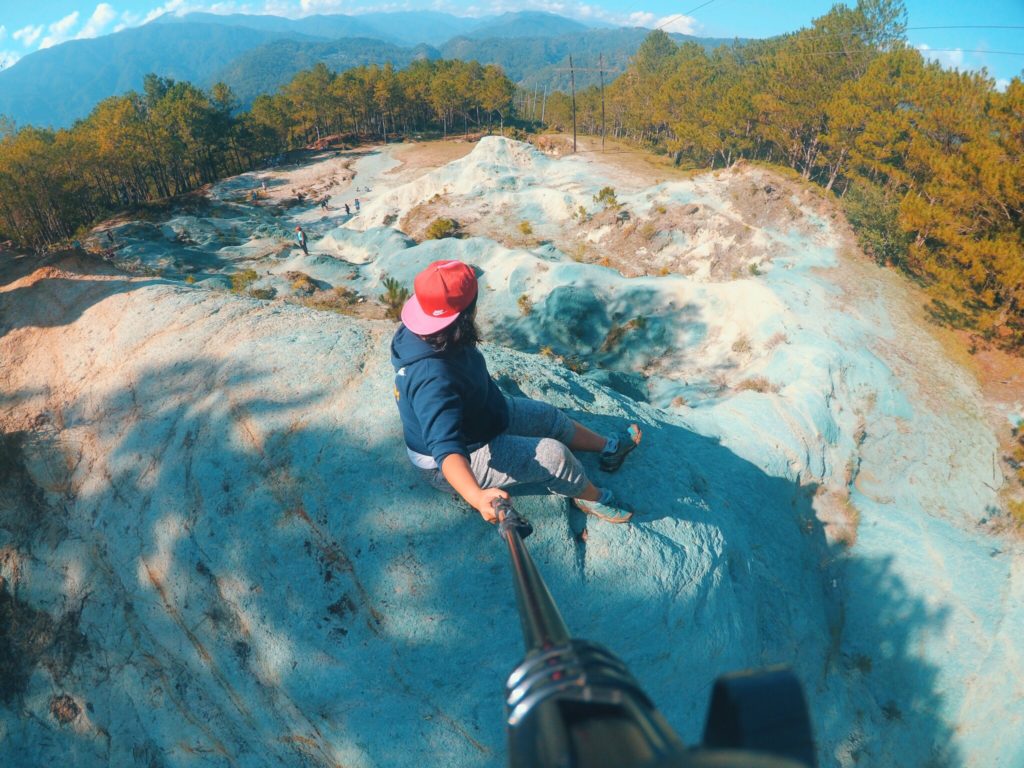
{"type": "Point", "coordinates": [257, 54]}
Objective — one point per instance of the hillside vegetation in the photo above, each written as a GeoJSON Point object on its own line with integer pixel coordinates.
{"type": "Point", "coordinates": [173, 137]}
{"type": "Point", "coordinates": [928, 161]}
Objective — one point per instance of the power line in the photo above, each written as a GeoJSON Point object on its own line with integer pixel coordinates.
{"type": "Point", "coordinates": [670, 19]}
{"type": "Point", "coordinates": [970, 26]}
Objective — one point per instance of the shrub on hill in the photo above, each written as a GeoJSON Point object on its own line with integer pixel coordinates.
{"type": "Point", "coordinates": [442, 228]}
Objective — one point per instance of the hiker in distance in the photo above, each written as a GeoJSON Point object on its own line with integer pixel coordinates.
{"type": "Point", "coordinates": [300, 238]}
{"type": "Point", "coordinates": [462, 432]}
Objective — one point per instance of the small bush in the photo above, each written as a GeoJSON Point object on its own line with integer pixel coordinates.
{"type": "Point", "coordinates": [741, 345]}
{"type": "Point", "coordinates": [617, 332]}
{"type": "Point", "coordinates": [394, 296]}
{"type": "Point", "coordinates": [525, 227]}
{"type": "Point", "coordinates": [582, 214]}
{"type": "Point", "coordinates": [442, 228]}
{"type": "Point", "coordinates": [338, 299]}
{"type": "Point", "coordinates": [607, 197]}
{"type": "Point", "coordinates": [648, 230]}
{"type": "Point", "coordinates": [661, 210]}
{"type": "Point", "coordinates": [302, 283]}
{"type": "Point", "coordinates": [547, 351]}
{"type": "Point", "coordinates": [240, 281]}
{"type": "Point", "coordinates": [875, 220]}
{"type": "Point", "coordinates": [525, 304]}
{"type": "Point", "coordinates": [756, 384]}
{"type": "Point", "coordinates": [754, 269]}
{"type": "Point", "coordinates": [190, 279]}
{"type": "Point", "coordinates": [1016, 510]}
{"type": "Point", "coordinates": [262, 293]}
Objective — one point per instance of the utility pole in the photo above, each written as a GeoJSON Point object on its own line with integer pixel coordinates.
{"type": "Point", "coordinates": [600, 68]}
{"type": "Point", "coordinates": [572, 79]}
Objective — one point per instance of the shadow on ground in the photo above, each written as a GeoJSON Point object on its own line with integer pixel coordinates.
{"type": "Point", "coordinates": [259, 577]}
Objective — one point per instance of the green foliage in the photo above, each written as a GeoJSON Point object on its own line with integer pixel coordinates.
{"type": "Point", "coordinates": [173, 138]}
{"type": "Point", "coordinates": [442, 228]}
{"type": "Point", "coordinates": [262, 293]}
{"type": "Point", "coordinates": [525, 227]}
{"type": "Point", "coordinates": [394, 297]}
{"type": "Point", "coordinates": [525, 304]}
{"type": "Point", "coordinates": [1016, 510]}
{"type": "Point", "coordinates": [607, 198]}
{"type": "Point", "coordinates": [240, 281]}
{"type": "Point", "coordinates": [301, 283]}
{"type": "Point", "coordinates": [930, 162]}
{"type": "Point", "coordinates": [876, 223]}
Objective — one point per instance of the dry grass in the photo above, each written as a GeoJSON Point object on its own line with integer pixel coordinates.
{"type": "Point", "coordinates": [756, 384]}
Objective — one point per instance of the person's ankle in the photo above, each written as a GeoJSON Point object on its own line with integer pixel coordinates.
{"type": "Point", "coordinates": [611, 445]}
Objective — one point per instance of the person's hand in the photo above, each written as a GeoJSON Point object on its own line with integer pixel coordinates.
{"type": "Point", "coordinates": [482, 503]}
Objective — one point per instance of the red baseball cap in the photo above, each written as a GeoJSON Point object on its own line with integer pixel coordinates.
{"type": "Point", "coordinates": [440, 293]}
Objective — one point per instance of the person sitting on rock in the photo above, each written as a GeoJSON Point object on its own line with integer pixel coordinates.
{"type": "Point", "coordinates": [462, 432]}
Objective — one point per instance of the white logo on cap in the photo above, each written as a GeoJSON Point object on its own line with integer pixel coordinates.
{"type": "Point", "coordinates": [437, 312]}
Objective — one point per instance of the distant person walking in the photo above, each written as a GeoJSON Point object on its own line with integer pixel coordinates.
{"type": "Point", "coordinates": [348, 211]}
{"type": "Point", "coordinates": [463, 433]}
{"type": "Point", "coordinates": [357, 205]}
{"type": "Point", "coordinates": [300, 238]}
{"type": "Point", "coordinates": [323, 204]}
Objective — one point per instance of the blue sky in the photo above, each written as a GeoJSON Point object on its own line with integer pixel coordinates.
{"type": "Point", "coordinates": [28, 26]}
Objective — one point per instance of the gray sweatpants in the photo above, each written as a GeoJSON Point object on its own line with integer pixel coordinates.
{"type": "Point", "coordinates": [534, 449]}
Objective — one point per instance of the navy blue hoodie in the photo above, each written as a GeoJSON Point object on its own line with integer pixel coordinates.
{"type": "Point", "coordinates": [447, 400]}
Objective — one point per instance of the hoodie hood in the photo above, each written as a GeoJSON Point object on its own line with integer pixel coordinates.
{"type": "Point", "coordinates": [407, 347]}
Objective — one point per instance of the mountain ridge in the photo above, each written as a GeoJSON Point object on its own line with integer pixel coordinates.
{"type": "Point", "coordinates": [255, 54]}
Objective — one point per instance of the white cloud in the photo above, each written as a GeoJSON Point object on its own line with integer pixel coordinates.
{"type": "Point", "coordinates": [101, 17]}
{"type": "Point", "coordinates": [683, 25]}
{"type": "Point", "coordinates": [60, 31]}
{"type": "Point", "coordinates": [7, 58]}
{"type": "Point", "coordinates": [28, 35]}
{"type": "Point", "coordinates": [322, 6]}
{"type": "Point", "coordinates": [3, 32]}
{"type": "Point", "coordinates": [950, 59]}
{"type": "Point", "coordinates": [177, 7]}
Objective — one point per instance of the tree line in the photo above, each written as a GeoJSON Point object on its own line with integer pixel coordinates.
{"type": "Point", "coordinates": [929, 162]}
{"type": "Point", "coordinates": [173, 137]}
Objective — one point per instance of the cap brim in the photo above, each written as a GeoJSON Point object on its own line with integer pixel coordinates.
{"type": "Point", "coordinates": [419, 322]}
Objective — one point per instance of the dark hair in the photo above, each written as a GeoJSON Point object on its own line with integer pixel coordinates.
{"type": "Point", "coordinates": [463, 332]}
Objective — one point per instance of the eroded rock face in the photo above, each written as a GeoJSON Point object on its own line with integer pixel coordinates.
{"type": "Point", "coordinates": [255, 574]}
{"type": "Point", "coordinates": [212, 545]}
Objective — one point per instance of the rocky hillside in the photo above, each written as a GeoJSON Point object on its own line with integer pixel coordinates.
{"type": "Point", "coordinates": [214, 552]}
